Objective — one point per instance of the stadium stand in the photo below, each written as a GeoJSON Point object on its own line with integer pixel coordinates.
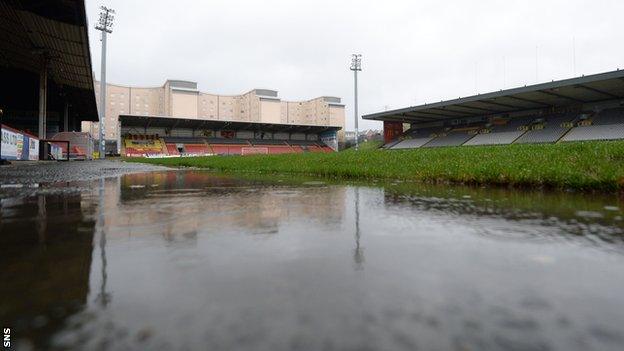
{"type": "Point", "coordinates": [233, 141]}
{"type": "Point", "coordinates": [392, 144]}
{"type": "Point", "coordinates": [495, 138]}
{"type": "Point", "coordinates": [182, 140]}
{"type": "Point", "coordinates": [273, 146]}
{"type": "Point", "coordinates": [308, 146]}
{"type": "Point", "coordinates": [415, 138]}
{"type": "Point", "coordinates": [80, 145]}
{"type": "Point", "coordinates": [590, 107]}
{"type": "Point", "coordinates": [548, 131]}
{"type": "Point", "coordinates": [186, 146]}
{"type": "Point", "coordinates": [510, 125]}
{"type": "Point", "coordinates": [46, 71]}
{"type": "Point", "coordinates": [192, 137]}
{"type": "Point", "coordinates": [196, 149]}
{"type": "Point", "coordinates": [501, 132]}
{"type": "Point", "coordinates": [452, 138]}
{"type": "Point", "coordinates": [410, 143]}
{"type": "Point", "coordinates": [224, 146]}
{"type": "Point", "coordinates": [172, 150]}
{"type": "Point", "coordinates": [605, 125]}
{"type": "Point", "coordinates": [143, 145]}
{"type": "Point", "coordinates": [267, 142]}
{"type": "Point", "coordinates": [599, 132]}
{"type": "Point", "coordinates": [609, 116]}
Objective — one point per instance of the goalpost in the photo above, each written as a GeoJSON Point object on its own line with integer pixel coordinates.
{"type": "Point", "coordinates": [254, 151]}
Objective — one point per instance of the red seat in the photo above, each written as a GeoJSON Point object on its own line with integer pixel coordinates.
{"type": "Point", "coordinates": [196, 149]}
{"type": "Point", "coordinates": [227, 149]}
{"type": "Point", "coordinates": [172, 149]}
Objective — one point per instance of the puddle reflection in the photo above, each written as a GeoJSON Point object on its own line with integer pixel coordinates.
{"type": "Point", "coordinates": [194, 260]}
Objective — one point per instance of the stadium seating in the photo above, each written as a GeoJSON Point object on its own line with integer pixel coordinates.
{"type": "Point", "coordinates": [228, 149]}
{"type": "Point", "coordinates": [314, 148]}
{"type": "Point", "coordinates": [267, 142]}
{"type": "Point", "coordinates": [545, 135]}
{"type": "Point", "coordinates": [391, 144]}
{"type": "Point", "coordinates": [80, 145]}
{"type": "Point", "coordinates": [183, 140]}
{"type": "Point", "coordinates": [609, 116]}
{"type": "Point", "coordinates": [595, 132]}
{"type": "Point", "coordinates": [510, 125]}
{"type": "Point", "coordinates": [271, 146]}
{"type": "Point", "coordinates": [495, 138]}
{"type": "Point", "coordinates": [410, 143]}
{"type": "Point", "coordinates": [143, 145]}
{"type": "Point", "coordinates": [196, 149]}
{"type": "Point", "coordinates": [172, 150]}
{"type": "Point", "coordinates": [78, 153]}
{"type": "Point", "coordinates": [308, 146]}
{"type": "Point", "coordinates": [501, 132]}
{"type": "Point", "coordinates": [228, 141]}
{"type": "Point", "coordinates": [424, 132]}
{"type": "Point", "coordinates": [605, 125]}
{"type": "Point", "coordinates": [414, 138]}
{"type": "Point", "coordinates": [146, 145]}
{"type": "Point", "coordinates": [550, 131]}
{"type": "Point", "coordinates": [450, 139]}
{"type": "Point", "coordinates": [280, 149]}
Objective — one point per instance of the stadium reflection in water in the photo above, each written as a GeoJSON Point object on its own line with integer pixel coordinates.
{"type": "Point", "coordinates": [193, 260]}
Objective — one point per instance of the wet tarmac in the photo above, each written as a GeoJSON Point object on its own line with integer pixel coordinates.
{"type": "Point", "coordinates": [190, 260]}
{"type": "Point", "coordinates": [23, 178]}
{"type": "Point", "coordinates": [50, 172]}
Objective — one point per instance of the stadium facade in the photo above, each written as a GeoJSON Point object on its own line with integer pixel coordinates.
{"type": "Point", "coordinates": [578, 109]}
{"type": "Point", "coordinates": [181, 99]}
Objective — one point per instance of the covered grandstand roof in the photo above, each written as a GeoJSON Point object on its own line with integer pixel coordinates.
{"type": "Point", "coordinates": [575, 91]}
{"type": "Point", "coordinates": [52, 31]}
{"type": "Point", "coordinates": [198, 124]}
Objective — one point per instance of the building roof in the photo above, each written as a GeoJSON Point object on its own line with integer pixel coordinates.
{"type": "Point", "coordinates": [198, 124]}
{"type": "Point", "coordinates": [576, 91]}
{"type": "Point", "coordinates": [54, 30]}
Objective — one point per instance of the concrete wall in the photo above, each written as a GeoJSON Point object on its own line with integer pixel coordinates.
{"type": "Point", "coordinates": [270, 110]}
{"type": "Point", "coordinates": [184, 104]}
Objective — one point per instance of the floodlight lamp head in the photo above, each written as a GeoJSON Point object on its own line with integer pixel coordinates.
{"type": "Point", "coordinates": [356, 62]}
{"type": "Point", "coordinates": [105, 22]}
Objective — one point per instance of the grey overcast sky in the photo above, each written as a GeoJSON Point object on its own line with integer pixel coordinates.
{"type": "Point", "coordinates": [413, 51]}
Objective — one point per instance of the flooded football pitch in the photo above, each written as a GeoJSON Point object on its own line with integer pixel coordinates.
{"type": "Point", "coordinates": [172, 260]}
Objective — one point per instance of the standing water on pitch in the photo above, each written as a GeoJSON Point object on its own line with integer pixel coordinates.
{"type": "Point", "coordinates": [194, 260]}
